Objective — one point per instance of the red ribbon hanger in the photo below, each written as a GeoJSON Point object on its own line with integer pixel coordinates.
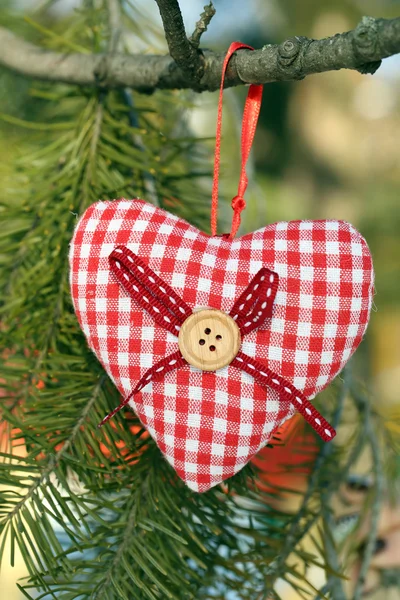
{"type": "Point", "coordinates": [249, 123]}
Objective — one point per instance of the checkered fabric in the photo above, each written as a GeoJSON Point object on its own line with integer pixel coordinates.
{"type": "Point", "coordinates": [209, 425]}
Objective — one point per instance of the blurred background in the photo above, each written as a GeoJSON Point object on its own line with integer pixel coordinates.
{"type": "Point", "coordinates": [326, 147]}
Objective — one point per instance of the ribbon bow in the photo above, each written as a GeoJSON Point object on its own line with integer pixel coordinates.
{"type": "Point", "coordinates": [250, 311]}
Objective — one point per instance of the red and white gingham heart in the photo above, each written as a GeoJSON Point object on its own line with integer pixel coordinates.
{"type": "Point", "coordinates": [209, 425]}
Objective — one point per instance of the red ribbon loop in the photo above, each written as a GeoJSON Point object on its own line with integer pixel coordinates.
{"type": "Point", "coordinates": [249, 124]}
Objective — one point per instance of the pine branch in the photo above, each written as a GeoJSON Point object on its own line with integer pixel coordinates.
{"type": "Point", "coordinates": [132, 530]}
{"type": "Point", "coordinates": [101, 591]}
{"type": "Point", "coordinates": [63, 174]}
{"type": "Point", "coordinates": [53, 461]}
{"type": "Point", "coordinates": [377, 469]}
{"type": "Point", "coordinates": [335, 583]}
{"type": "Point", "coordinates": [361, 49]}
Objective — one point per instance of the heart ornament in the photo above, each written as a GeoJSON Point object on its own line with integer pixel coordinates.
{"type": "Point", "coordinates": [209, 424]}
{"type": "Point", "coordinates": [215, 341]}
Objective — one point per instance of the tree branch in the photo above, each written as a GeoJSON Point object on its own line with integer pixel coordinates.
{"type": "Point", "coordinates": [185, 55]}
{"type": "Point", "coordinates": [202, 24]}
{"type": "Point", "coordinates": [361, 49]}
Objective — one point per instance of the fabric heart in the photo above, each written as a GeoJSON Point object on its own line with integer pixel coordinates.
{"type": "Point", "coordinates": [210, 424]}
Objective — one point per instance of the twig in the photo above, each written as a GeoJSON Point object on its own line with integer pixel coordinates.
{"type": "Point", "coordinates": [101, 591]}
{"type": "Point", "coordinates": [181, 50]}
{"type": "Point", "coordinates": [323, 591]}
{"type": "Point", "coordinates": [361, 49]}
{"type": "Point", "coordinates": [115, 24]}
{"type": "Point", "coordinates": [115, 27]}
{"type": "Point", "coordinates": [334, 583]}
{"type": "Point", "coordinates": [377, 501]}
{"type": "Point", "coordinates": [202, 24]}
{"type": "Point", "coordinates": [390, 578]}
{"type": "Point", "coordinates": [149, 182]}
{"type": "Point", "coordinates": [292, 537]}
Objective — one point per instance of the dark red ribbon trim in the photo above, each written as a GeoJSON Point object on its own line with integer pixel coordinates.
{"type": "Point", "coordinates": [169, 311]}
{"type": "Point", "coordinates": [157, 372]}
{"type": "Point", "coordinates": [287, 391]}
{"type": "Point", "coordinates": [255, 304]}
{"type": "Point", "coordinates": [149, 290]}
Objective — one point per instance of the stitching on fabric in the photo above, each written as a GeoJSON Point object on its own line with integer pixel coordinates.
{"type": "Point", "coordinates": [263, 285]}
{"type": "Point", "coordinates": [297, 344]}
{"type": "Point", "coordinates": [155, 373]}
{"type": "Point", "coordinates": [140, 282]}
{"type": "Point", "coordinates": [287, 391]}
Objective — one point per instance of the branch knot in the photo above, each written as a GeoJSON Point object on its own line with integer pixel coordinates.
{"type": "Point", "coordinates": [366, 44]}
{"type": "Point", "coordinates": [101, 70]}
{"type": "Point", "coordinates": [290, 55]}
{"type": "Point", "coordinates": [288, 51]}
{"type": "Point", "coordinates": [365, 38]}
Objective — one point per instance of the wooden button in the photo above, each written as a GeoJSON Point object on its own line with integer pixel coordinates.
{"type": "Point", "coordinates": [209, 339]}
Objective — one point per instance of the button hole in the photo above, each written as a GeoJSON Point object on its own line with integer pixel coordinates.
{"type": "Point", "coordinates": [207, 331]}
{"type": "Point", "coordinates": [202, 342]}
{"type": "Point", "coordinates": [212, 348]}
{"type": "Point", "coordinates": [218, 337]}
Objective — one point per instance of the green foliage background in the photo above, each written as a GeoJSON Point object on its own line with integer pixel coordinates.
{"type": "Point", "coordinates": [129, 528]}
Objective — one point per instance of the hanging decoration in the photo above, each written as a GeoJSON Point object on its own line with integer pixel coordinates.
{"type": "Point", "coordinates": [215, 341]}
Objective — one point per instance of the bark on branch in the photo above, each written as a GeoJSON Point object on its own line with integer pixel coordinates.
{"type": "Point", "coordinates": [186, 56]}
{"type": "Point", "coordinates": [362, 49]}
{"type": "Point", "coordinates": [202, 25]}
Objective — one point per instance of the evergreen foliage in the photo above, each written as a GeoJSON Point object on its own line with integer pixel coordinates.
{"type": "Point", "coordinates": [130, 530]}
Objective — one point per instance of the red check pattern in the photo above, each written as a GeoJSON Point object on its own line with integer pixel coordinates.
{"type": "Point", "coordinates": [250, 311]}
{"type": "Point", "coordinates": [209, 425]}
